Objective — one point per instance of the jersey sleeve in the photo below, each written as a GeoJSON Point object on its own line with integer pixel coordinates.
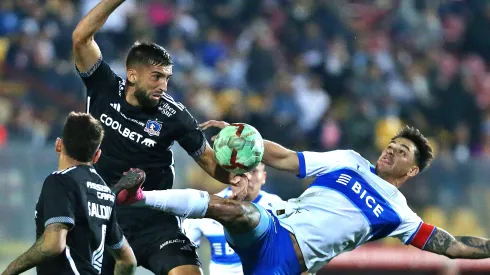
{"type": "Point", "coordinates": [115, 236]}
{"type": "Point", "coordinates": [189, 136]}
{"type": "Point", "coordinates": [413, 231]}
{"type": "Point", "coordinates": [192, 230]}
{"type": "Point", "coordinates": [99, 79]}
{"type": "Point", "coordinates": [59, 201]}
{"type": "Point", "coordinates": [318, 163]}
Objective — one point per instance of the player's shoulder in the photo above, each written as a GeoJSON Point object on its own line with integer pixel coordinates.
{"type": "Point", "coordinates": [352, 158]}
{"type": "Point", "coordinates": [168, 106]}
{"type": "Point", "coordinates": [75, 174]}
{"type": "Point", "coordinates": [64, 173]}
{"type": "Point", "coordinates": [60, 178]}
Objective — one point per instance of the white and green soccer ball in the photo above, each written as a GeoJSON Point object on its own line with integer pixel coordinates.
{"type": "Point", "coordinates": [238, 148]}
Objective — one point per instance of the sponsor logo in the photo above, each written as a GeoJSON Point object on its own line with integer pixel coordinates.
{"type": "Point", "coordinates": [116, 106]}
{"type": "Point", "coordinates": [363, 194]}
{"type": "Point", "coordinates": [171, 242]}
{"type": "Point", "coordinates": [149, 142]}
{"type": "Point", "coordinates": [167, 110]}
{"type": "Point", "coordinates": [123, 131]}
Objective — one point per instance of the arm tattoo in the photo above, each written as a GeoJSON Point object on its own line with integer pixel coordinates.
{"type": "Point", "coordinates": [480, 248]}
{"type": "Point", "coordinates": [125, 261]}
{"type": "Point", "coordinates": [37, 254]}
{"type": "Point", "coordinates": [464, 247]}
{"type": "Point", "coordinates": [439, 242]}
{"type": "Point", "coordinates": [124, 269]}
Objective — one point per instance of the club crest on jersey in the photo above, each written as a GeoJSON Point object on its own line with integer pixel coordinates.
{"type": "Point", "coordinates": [153, 128]}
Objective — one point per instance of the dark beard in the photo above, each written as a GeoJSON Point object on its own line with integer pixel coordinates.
{"type": "Point", "coordinates": [144, 100]}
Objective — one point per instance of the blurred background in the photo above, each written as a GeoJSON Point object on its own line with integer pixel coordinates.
{"type": "Point", "coordinates": [309, 74]}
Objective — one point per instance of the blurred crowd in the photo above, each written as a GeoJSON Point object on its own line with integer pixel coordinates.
{"type": "Point", "coordinates": [310, 74]}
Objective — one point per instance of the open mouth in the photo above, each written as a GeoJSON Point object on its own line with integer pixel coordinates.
{"type": "Point", "coordinates": [155, 95]}
{"type": "Point", "coordinates": [386, 160]}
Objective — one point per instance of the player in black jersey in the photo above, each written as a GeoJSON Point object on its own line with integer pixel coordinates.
{"type": "Point", "coordinates": [75, 217]}
{"type": "Point", "coordinates": [141, 123]}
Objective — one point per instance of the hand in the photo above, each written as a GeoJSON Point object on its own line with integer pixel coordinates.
{"type": "Point", "coordinates": [239, 186]}
{"type": "Point", "coordinates": [213, 123]}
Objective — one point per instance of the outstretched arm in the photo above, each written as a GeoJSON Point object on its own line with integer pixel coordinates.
{"type": "Point", "coordinates": [86, 51]}
{"type": "Point", "coordinates": [281, 158]}
{"type": "Point", "coordinates": [459, 247]}
{"type": "Point", "coordinates": [49, 245]}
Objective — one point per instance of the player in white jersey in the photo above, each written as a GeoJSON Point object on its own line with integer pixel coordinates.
{"type": "Point", "coordinates": [224, 260]}
{"type": "Point", "coordinates": [349, 203]}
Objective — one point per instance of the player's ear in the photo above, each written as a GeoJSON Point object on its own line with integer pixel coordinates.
{"type": "Point", "coordinates": [57, 145]}
{"type": "Point", "coordinates": [97, 156]}
{"type": "Point", "coordinates": [132, 75]}
{"type": "Point", "coordinates": [413, 171]}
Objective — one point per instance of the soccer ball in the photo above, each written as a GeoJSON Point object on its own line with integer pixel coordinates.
{"type": "Point", "coordinates": [238, 148]}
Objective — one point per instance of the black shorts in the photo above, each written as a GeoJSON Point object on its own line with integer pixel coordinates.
{"type": "Point", "coordinates": [158, 251]}
{"type": "Point", "coordinates": [155, 237]}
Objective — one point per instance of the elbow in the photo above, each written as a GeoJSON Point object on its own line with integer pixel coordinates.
{"type": "Point", "coordinates": [55, 249]}
{"type": "Point", "coordinates": [458, 251]}
{"type": "Point", "coordinates": [128, 262]}
{"type": "Point", "coordinates": [80, 39]}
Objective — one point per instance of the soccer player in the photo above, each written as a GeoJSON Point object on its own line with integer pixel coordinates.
{"type": "Point", "coordinates": [75, 217]}
{"type": "Point", "coordinates": [224, 260]}
{"type": "Point", "coordinates": [350, 202]}
{"type": "Point", "coordinates": [141, 123]}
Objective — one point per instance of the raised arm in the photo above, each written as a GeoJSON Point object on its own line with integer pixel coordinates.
{"type": "Point", "coordinates": [459, 247]}
{"type": "Point", "coordinates": [85, 50]}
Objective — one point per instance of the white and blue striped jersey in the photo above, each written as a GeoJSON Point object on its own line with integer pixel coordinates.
{"type": "Point", "coordinates": [224, 260]}
{"type": "Point", "coordinates": [346, 206]}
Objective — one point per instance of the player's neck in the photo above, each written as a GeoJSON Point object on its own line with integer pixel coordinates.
{"type": "Point", "coordinates": [67, 162]}
{"type": "Point", "coordinates": [130, 98]}
{"type": "Point", "coordinates": [397, 182]}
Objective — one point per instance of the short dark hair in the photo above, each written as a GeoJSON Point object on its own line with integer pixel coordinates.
{"type": "Point", "coordinates": [423, 151]}
{"type": "Point", "coordinates": [148, 54]}
{"type": "Point", "coordinates": [82, 136]}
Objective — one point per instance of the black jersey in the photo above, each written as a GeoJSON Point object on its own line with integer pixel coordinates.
{"type": "Point", "coordinates": [78, 197]}
{"type": "Point", "coordinates": [137, 138]}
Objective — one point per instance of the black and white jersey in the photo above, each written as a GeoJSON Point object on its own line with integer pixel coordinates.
{"type": "Point", "coordinates": [137, 138]}
{"type": "Point", "coordinates": [78, 197]}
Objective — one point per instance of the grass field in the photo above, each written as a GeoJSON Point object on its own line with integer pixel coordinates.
{"type": "Point", "coordinates": [10, 250]}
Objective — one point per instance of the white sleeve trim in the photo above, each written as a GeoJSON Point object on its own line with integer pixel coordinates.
{"type": "Point", "coordinates": [201, 150]}
{"type": "Point", "coordinates": [91, 70]}
{"type": "Point", "coordinates": [118, 245]}
{"type": "Point", "coordinates": [65, 220]}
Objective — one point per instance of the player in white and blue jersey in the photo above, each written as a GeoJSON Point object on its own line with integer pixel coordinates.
{"type": "Point", "coordinates": [349, 203]}
{"type": "Point", "coordinates": [224, 260]}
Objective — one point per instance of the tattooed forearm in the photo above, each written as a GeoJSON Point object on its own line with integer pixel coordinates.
{"type": "Point", "coordinates": [440, 242]}
{"type": "Point", "coordinates": [38, 253]}
{"type": "Point", "coordinates": [124, 269]}
{"type": "Point", "coordinates": [34, 256]}
{"type": "Point", "coordinates": [478, 248]}
{"type": "Point", "coordinates": [464, 247]}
